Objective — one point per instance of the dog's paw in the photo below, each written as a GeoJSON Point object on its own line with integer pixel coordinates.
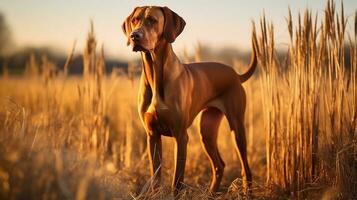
{"type": "Point", "coordinates": [236, 186]}
{"type": "Point", "coordinates": [238, 189]}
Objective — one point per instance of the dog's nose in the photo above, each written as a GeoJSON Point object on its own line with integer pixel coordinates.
{"type": "Point", "coordinates": [135, 35]}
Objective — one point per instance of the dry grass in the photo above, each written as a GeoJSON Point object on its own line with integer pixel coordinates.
{"type": "Point", "coordinates": [81, 138]}
{"type": "Point", "coordinates": [310, 104]}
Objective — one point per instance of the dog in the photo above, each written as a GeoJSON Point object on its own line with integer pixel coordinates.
{"type": "Point", "coordinates": [172, 94]}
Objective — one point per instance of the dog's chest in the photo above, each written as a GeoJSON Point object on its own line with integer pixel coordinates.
{"type": "Point", "coordinates": [158, 118]}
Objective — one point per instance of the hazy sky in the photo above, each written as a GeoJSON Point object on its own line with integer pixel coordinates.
{"type": "Point", "coordinates": [58, 23]}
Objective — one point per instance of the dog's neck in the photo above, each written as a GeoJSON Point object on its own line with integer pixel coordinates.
{"type": "Point", "coordinates": [156, 67]}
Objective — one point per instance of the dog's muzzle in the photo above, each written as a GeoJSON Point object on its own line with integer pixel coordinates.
{"type": "Point", "coordinates": [136, 37]}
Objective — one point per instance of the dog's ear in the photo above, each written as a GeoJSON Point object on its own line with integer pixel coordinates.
{"type": "Point", "coordinates": [173, 24]}
{"type": "Point", "coordinates": [126, 26]}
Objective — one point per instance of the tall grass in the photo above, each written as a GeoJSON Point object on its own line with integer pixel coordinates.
{"type": "Point", "coordinates": [45, 152]}
{"type": "Point", "coordinates": [310, 103]}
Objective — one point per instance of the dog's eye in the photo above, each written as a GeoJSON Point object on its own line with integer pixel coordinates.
{"type": "Point", "coordinates": [151, 20]}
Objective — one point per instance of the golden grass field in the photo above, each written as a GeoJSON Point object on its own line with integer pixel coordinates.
{"type": "Point", "coordinates": [68, 137]}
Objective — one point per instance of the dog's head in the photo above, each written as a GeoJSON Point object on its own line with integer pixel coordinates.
{"type": "Point", "coordinates": [147, 26]}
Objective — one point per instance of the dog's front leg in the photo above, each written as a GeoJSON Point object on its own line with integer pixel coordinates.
{"type": "Point", "coordinates": [181, 141]}
{"type": "Point", "coordinates": [155, 155]}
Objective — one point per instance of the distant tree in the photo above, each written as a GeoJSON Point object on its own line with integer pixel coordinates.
{"type": "Point", "coordinates": [5, 36]}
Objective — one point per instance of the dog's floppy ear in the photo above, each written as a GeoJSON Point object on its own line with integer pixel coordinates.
{"type": "Point", "coordinates": [126, 26]}
{"type": "Point", "coordinates": [173, 25]}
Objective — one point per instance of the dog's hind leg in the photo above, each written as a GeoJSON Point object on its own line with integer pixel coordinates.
{"type": "Point", "coordinates": [241, 142]}
{"type": "Point", "coordinates": [235, 106]}
{"type": "Point", "coordinates": [209, 124]}
{"type": "Point", "coordinates": [237, 127]}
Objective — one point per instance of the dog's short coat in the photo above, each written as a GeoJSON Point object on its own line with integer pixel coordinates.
{"type": "Point", "coordinates": [171, 94]}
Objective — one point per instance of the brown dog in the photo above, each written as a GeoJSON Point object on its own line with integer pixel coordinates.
{"type": "Point", "coordinates": [172, 94]}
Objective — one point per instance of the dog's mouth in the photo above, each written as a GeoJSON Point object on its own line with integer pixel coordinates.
{"type": "Point", "coordinates": [138, 47]}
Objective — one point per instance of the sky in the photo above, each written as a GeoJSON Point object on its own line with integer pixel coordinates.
{"type": "Point", "coordinates": [217, 24]}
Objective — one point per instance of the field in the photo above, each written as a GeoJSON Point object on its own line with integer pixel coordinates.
{"type": "Point", "coordinates": [80, 137]}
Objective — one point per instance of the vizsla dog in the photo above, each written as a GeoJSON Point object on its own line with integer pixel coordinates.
{"type": "Point", "coordinates": [172, 94]}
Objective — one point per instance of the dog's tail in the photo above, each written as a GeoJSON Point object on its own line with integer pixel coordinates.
{"type": "Point", "coordinates": [253, 61]}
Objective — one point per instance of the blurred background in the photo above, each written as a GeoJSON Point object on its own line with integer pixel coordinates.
{"type": "Point", "coordinates": [221, 28]}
